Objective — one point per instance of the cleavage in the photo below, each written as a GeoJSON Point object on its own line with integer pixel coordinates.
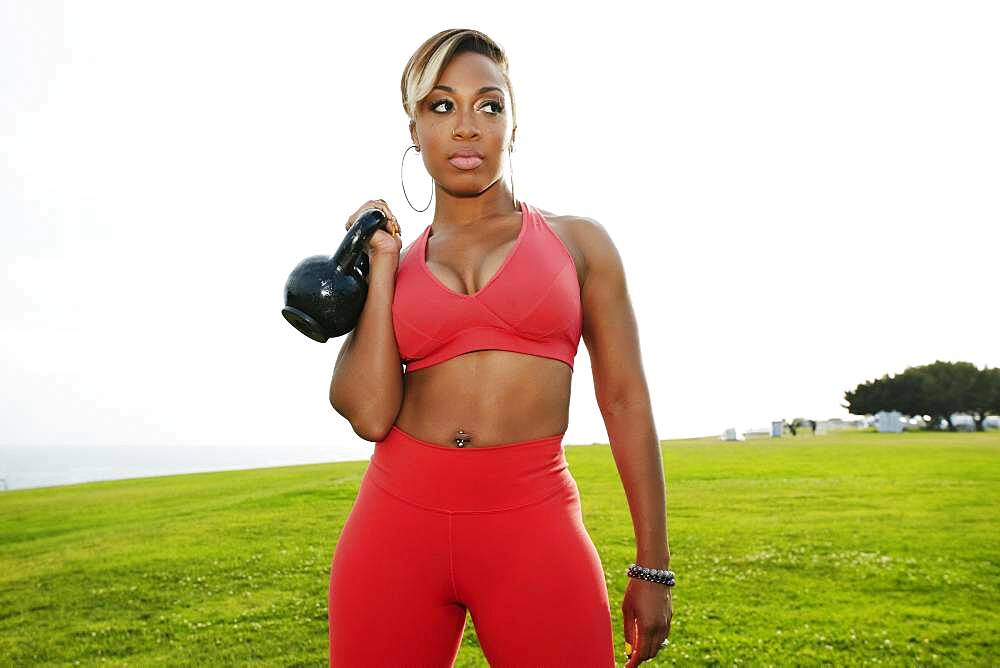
{"type": "Point", "coordinates": [506, 250]}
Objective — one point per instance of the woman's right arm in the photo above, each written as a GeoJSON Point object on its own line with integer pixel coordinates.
{"type": "Point", "coordinates": [367, 383]}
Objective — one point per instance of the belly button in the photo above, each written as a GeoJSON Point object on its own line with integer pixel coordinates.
{"type": "Point", "coordinates": [461, 438]}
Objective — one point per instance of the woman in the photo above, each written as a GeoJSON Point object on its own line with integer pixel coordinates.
{"type": "Point", "coordinates": [467, 503]}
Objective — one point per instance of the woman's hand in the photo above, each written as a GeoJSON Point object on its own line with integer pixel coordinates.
{"type": "Point", "coordinates": [646, 610]}
{"type": "Point", "coordinates": [382, 242]}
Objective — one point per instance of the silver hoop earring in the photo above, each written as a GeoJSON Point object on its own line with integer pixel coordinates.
{"type": "Point", "coordinates": [404, 185]}
{"type": "Point", "coordinates": [510, 161]}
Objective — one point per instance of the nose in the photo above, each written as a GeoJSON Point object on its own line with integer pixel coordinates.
{"type": "Point", "coordinates": [465, 125]}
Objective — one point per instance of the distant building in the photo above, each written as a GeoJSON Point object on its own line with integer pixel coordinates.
{"type": "Point", "coordinates": [889, 421]}
{"type": "Point", "coordinates": [962, 422]}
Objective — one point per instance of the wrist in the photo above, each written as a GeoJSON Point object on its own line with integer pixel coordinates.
{"type": "Point", "coordinates": [658, 575]}
{"type": "Point", "coordinates": [383, 264]}
{"type": "Point", "coordinates": [658, 560]}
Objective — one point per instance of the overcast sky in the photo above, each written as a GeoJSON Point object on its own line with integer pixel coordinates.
{"type": "Point", "coordinates": [805, 196]}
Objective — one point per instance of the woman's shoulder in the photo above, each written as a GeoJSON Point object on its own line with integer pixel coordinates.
{"type": "Point", "coordinates": [583, 236]}
{"type": "Point", "coordinates": [570, 225]}
{"type": "Point", "coordinates": [406, 249]}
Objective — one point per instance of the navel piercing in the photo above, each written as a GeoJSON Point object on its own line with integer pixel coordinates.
{"type": "Point", "coordinates": [462, 438]}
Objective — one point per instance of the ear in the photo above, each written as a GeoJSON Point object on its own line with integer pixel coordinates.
{"type": "Point", "coordinates": [512, 132]}
{"type": "Point", "coordinates": [413, 132]}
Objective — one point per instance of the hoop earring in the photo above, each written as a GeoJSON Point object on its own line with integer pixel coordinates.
{"type": "Point", "coordinates": [510, 162]}
{"type": "Point", "coordinates": [404, 185]}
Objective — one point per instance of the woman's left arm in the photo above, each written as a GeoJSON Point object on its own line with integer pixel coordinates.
{"type": "Point", "coordinates": [611, 335]}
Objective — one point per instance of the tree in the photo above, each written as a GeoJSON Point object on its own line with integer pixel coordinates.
{"type": "Point", "coordinates": [985, 395]}
{"type": "Point", "coordinates": [938, 390]}
{"type": "Point", "coordinates": [868, 398]}
{"type": "Point", "coordinates": [945, 388]}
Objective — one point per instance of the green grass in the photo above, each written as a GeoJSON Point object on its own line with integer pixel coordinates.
{"type": "Point", "coordinates": [852, 548]}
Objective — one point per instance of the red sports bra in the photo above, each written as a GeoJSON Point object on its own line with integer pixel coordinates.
{"type": "Point", "coordinates": [531, 305]}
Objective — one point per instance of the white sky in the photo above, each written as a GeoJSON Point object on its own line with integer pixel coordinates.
{"type": "Point", "coordinates": [805, 196]}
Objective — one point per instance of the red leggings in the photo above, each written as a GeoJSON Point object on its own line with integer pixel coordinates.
{"type": "Point", "coordinates": [495, 530]}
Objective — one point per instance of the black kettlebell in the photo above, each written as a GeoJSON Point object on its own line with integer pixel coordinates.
{"type": "Point", "coordinates": [324, 295]}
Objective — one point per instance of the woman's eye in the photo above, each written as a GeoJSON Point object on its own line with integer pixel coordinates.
{"type": "Point", "coordinates": [497, 106]}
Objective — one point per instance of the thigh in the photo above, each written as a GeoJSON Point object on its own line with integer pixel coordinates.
{"type": "Point", "coordinates": [391, 600]}
{"type": "Point", "coordinates": [534, 584]}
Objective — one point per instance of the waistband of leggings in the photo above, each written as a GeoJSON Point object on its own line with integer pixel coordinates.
{"type": "Point", "coordinates": [470, 479]}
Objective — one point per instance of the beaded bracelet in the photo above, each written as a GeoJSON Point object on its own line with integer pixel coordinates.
{"type": "Point", "coordinates": [665, 577]}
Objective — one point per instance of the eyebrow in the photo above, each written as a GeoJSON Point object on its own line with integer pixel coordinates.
{"type": "Point", "coordinates": [478, 92]}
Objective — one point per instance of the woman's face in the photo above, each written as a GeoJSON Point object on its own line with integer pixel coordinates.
{"type": "Point", "coordinates": [468, 109]}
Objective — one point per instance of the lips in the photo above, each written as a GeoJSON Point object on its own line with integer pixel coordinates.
{"type": "Point", "coordinates": [466, 161]}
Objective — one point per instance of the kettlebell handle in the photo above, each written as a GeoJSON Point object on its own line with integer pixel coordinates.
{"type": "Point", "coordinates": [354, 244]}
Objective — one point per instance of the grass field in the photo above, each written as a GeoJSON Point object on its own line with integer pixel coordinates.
{"type": "Point", "coordinates": [851, 548]}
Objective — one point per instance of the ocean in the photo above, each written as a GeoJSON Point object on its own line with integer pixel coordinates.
{"type": "Point", "coordinates": [44, 466]}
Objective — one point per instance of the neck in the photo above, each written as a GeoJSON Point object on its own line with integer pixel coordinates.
{"type": "Point", "coordinates": [462, 212]}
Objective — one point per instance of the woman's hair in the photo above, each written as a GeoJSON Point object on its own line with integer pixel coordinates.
{"type": "Point", "coordinates": [427, 62]}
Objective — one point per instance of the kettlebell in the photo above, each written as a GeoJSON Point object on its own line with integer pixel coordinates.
{"type": "Point", "coordinates": [324, 295]}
